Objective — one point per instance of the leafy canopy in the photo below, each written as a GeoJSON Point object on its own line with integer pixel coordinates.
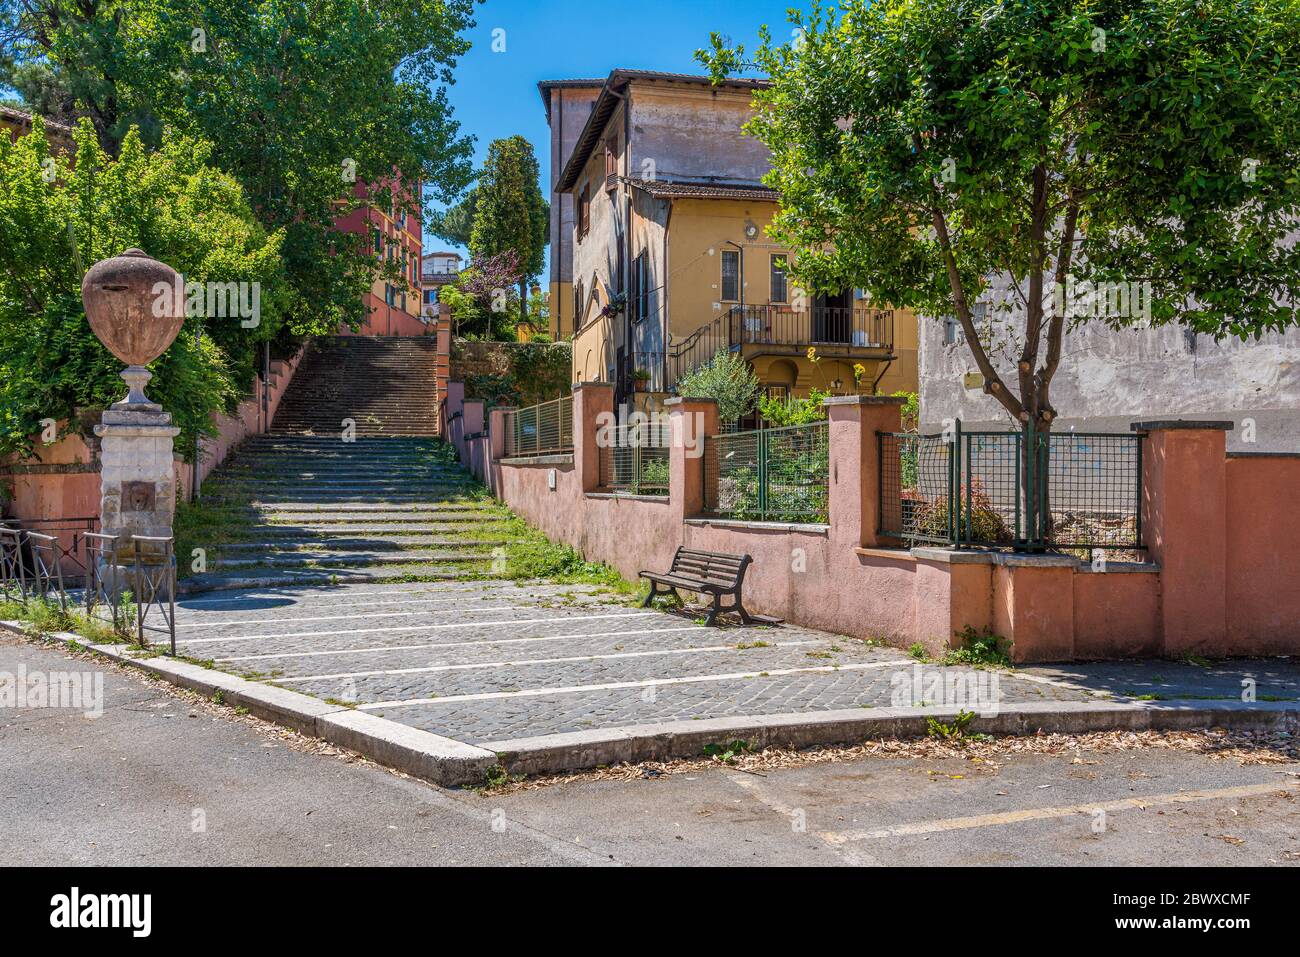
{"type": "Point", "coordinates": [56, 217]}
{"type": "Point", "coordinates": [923, 147]}
{"type": "Point", "coordinates": [510, 214]}
{"type": "Point", "coordinates": [303, 103]}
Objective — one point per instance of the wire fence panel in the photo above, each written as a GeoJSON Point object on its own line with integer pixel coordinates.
{"type": "Point", "coordinates": [1020, 490]}
{"type": "Point", "coordinates": [771, 475]}
{"type": "Point", "coordinates": [916, 487]}
{"type": "Point", "coordinates": [1094, 490]}
{"type": "Point", "coordinates": [542, 429]}
{"type": "Point", "coordinates": [635, 459]}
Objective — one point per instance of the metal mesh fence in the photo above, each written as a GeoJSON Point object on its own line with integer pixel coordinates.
{"type": "Point", "coordinates": [775, 475]}
{"type": "Point", "coordinates": [1094, 490]}
{"type": "Point", "coordinates": [636, 459]}
{"type": "Point", "coordinates": [1006, 489]}
{"type": "Point", "coordinates": [542, 429]}
{"type": "Point", "coordinates": [915, 487]}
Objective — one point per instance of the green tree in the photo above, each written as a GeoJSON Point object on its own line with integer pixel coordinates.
{"type": "Point", "coordinates": [510, 213]}
{"type": "Point", "coordinates": [56, 217]}
{"type": "Point", "coordinates": [456, 224]}
{"type": "Point", "coordinates": [924, 147]}
{"type": "Point", "coordinates": [317, 109]}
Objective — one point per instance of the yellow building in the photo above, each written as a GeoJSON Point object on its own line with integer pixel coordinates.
{"type": "Point", "coordinates": [671, 261]}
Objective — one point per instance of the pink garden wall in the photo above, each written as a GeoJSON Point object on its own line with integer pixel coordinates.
{"type": "Point", "coordinates": [1224, 543]}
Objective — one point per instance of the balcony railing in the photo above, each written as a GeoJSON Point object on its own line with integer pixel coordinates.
{"type": "Point", "coordinates": [776, 325]}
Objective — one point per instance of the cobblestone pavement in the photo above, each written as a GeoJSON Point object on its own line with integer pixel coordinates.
{"type": "Point", "coordinates": [490, 661]}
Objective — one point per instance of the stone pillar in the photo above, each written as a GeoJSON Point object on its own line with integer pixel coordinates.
{"type": "Point", "coordinates": [591, 400]}
{"type": "Point", "coordinates": [137, 475]}
{"type": "Point", "coordinates": [855, 463]}
{"type": "Point", "coordinates": [1184, 526]}
{"type": "Point", "coordinates": [472, 429]}
{"type": "Point", "coordinates": [498, 422]}
{"type": "Point", "coordinates": [691, 421]}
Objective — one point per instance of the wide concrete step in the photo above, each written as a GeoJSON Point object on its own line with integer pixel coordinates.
{"type": "Point", "coordinates": [362, 530]}
{"type": "Point", "coordinates": [355, 468]}
{"type": "Point", "coordinates": [385, 508]}
{"type": "Point", "coordinates": [316, 487]}
{"type": "Point", "coordinates": [342, 544]}
{"type": "Point", "coordinates": [327, 560]}
{"type": "Point", "coordinates": [243, 578]}
{"type": "Point", "coordinates": [300, 519]}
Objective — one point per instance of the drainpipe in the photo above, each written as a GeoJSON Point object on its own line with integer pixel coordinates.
{"type": "Point", "coordinates": [663, 298]}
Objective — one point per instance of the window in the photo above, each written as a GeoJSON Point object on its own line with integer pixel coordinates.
{"type": "Point", "coordinates": [611, 157]}
{"type": "Point", "coordinates": [779, 286]}
{"type": "Point", "coordinates": [640, 298]}
{"type": "Point", "coordinates": [584, 211]}
{"type": "Point", "coordinates": [390, 294]}
{"type": "Point", "coordinates": [730, 275]}
{"type": "Point", "coordinates": [379, 239]}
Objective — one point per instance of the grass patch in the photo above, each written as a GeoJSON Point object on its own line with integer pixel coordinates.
{"type": "Point", "coordinates": [207, 526]}
{"type": "Point", "coordinates": [45, 617]}
{"type": "Point", "coordinates": [530, 554]}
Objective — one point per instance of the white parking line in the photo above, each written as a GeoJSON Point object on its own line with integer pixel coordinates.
{"type": "Point", "coordinates": [395, 628]}
{"type": "Point", "coordinates": [531, 661]}
{"type": "Point", "coordinates": [616, 685]}
{"type": "Point", "coordinates": [454, 644]}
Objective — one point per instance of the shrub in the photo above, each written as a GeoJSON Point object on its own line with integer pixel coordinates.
{"type": "Point", "coordinates": [729, 380]}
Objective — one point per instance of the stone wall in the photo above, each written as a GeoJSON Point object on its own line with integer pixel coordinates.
{"type": "Point", "coordinates": [512, 373]}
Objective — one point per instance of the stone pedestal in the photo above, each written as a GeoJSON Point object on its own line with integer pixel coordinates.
{"type": "Point", "coordinates": [137, 481]}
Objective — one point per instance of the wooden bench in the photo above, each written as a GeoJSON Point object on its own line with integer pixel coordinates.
{"type": "Point", "coordinates": [708, 573]}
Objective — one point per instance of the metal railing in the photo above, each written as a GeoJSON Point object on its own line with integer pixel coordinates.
{"type": "Point", "coordinates": [541, 429]}
{"type": "Point", "coordinates": [129, 578]}
{"type": "Point", "coordinates": [1024, 490]}
{"type": "Point", "coordinates": [69, 540]}
{"type": "Point", "coordinates": [772, 475]}
{"type": "Point", "coordinates": [635, 459]}
{"type": "Point", "coordinates": [772, 324]}
{"type": "Point", "coordinates": [857, 327]}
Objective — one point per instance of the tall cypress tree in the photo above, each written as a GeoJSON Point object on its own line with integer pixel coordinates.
{"type": "Point", "coordinates": [511, 213]}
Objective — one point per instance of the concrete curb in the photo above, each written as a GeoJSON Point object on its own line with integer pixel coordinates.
{"type": "Point", "coordinates": [687, 739]}
{"type": "Point", "coordinates": [424, 755]}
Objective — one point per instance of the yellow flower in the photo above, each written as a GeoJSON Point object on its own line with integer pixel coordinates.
{"type": "Point", "coordinates": [859, 370]}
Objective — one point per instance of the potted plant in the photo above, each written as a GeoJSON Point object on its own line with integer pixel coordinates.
{"type": "Point", "coordinates": [641, 380]}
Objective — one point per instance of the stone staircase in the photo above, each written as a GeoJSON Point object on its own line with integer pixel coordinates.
{"type": "Point", "coordinates": [384, 384]}
{"type": "Point", "coordinates": [297, 509]}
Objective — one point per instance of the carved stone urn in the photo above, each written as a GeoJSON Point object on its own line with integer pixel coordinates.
{"type": "Point", "coordinates": [136, 308]}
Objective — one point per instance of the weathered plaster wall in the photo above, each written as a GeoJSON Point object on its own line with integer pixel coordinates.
{"type": "Point", "coordinates": [1110, 377]}
{"type": "Point", "coordinates": [693, 133]}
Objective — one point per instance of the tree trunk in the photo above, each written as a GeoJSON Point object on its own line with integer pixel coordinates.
{"type": "Point", "coordinates": [1035, 461]}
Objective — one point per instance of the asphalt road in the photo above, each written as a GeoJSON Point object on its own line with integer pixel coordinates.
{"type": "Point", "coordinates": [162, 777]}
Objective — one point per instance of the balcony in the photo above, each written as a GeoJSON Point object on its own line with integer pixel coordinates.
{"type": "Point", "coordinates": [843, 332]}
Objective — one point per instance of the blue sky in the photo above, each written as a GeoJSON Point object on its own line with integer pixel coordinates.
{"type": "Point", "coordinates": [495, 94]}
